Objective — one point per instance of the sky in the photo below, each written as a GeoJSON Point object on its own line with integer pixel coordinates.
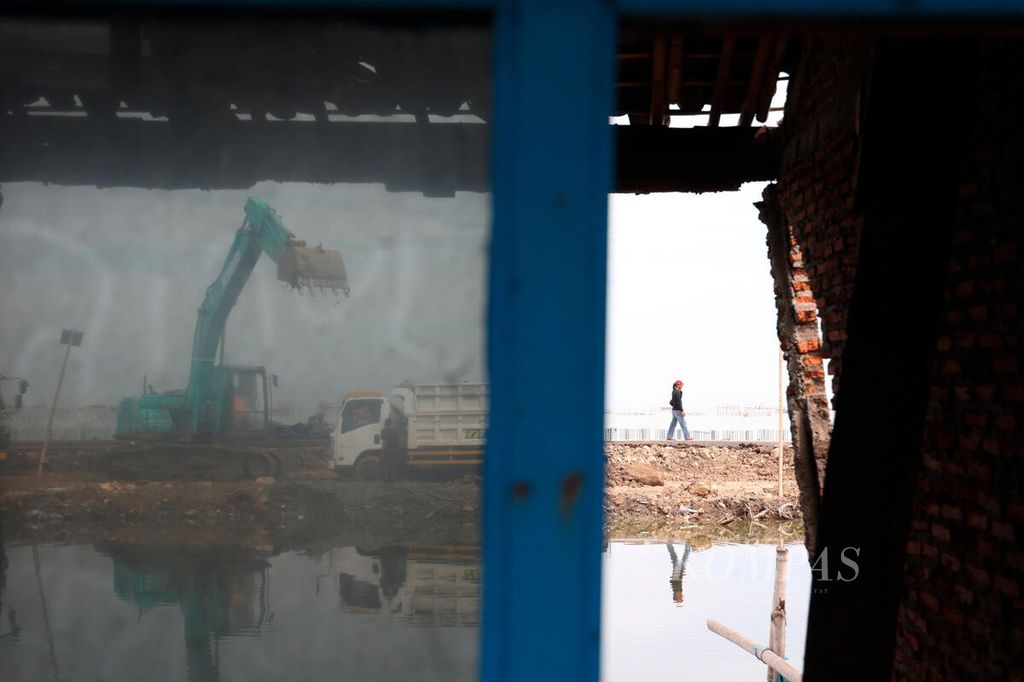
{"type": "Point", "coordinates": [689, 292]}
{"type": "Point", "coordinates": [690, 297]}
{"type": "Point", "coordinates": [130, 267]}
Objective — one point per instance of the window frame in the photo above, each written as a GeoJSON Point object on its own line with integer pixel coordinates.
{"type": "Point", "coordinates": [552, 171]}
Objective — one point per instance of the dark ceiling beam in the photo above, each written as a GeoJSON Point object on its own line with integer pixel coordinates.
{"type": "Point", "coordinates": [675, 69]}
{"type": "Point", "coordinates": [694, 159]}
{"type": "Point", "coordinates": [718, 94]}
{"type": "Point", "coordinates": [757, 82]}
{"type": "Point", "coordinates": [435, 159]}
{"type": "Point", "coordinates": [771, 79]}
{"type": "Point", "coordinates": [659, 105]}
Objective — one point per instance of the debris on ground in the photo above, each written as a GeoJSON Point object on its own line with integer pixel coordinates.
{"type": "Point", "coordinates": [649, 485]}
{"type": "Point", "coordinates": [705, 483]}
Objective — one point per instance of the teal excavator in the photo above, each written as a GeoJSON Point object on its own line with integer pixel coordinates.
{"type": "Point", "coordinates": [221, 592]}
{"type": "Point", "coordinates": [220, 425]}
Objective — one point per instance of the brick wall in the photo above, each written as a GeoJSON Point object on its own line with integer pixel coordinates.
{"type": "Point", "coordinates": [798, 334]}
{"type": "Point", "coordinates": [816, 185]}
{"type": "Point", "coordinates": [961, 610]}
{"type": "Point", "coordinates": [962, 616]}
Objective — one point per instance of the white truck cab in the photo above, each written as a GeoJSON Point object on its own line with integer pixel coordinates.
{"type": "Point", "coordinates": [431, 425]}
{"type": "Point", "coordinates": [357, 435]}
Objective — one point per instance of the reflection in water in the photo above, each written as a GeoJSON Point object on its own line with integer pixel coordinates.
{"type": "Point", "coordinates": [678, 570]}
{"type": "Point", "coordinates": [214, 613]}
{"type": "Point", "coordinates": [647, 636]}
{"type": "Point", "coordinates": [429, 587]}
{"type": "Point", "coordinates": [218, 593]}
{"type": "Point", "coordinates": [11, 629]}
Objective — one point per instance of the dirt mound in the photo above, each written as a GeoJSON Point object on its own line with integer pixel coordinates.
{"type": "Point", "coordinates": [698, 483]}
{"type": "Point", "coordinates": [696, 461]}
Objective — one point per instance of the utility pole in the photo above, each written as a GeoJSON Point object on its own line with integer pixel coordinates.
{"type": "Point", "coordinates": [70, 338]}
{"type": "Point", "coordinates": [782, 393]}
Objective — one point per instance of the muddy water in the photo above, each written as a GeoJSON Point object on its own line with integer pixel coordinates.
{"type": "Point", "coordinates": [127, 612]}
{"type": "Point", "coordinates": [133, 613]}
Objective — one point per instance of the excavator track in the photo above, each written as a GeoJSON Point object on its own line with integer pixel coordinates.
{"type": "Point", "coordinates": [189, 461]}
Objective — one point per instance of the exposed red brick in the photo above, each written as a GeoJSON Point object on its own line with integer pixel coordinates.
{"type": "Point", "coordinates": [1003, 531]}
{"type": "Point", "coordinates": [1005, 422]}
{"type": "Point", "coordinates": [808, 346]}
{"type": "Point", "coordinates": [965, 289]}
{"type": "Point", "coordinates": [953, 616]}
{"type": "Point", "coordinates": [1005, 253]}
{"type": "Point", "coordinates": [979, 576]}
{"type": "Point", "coordinates": [979, 521]}
{"type": "Point", "coordinates": [1005, 364]}
{"type": "Point", "coordinates": [951, 513]}
{"type": "Point", "coordinates": [929, 601]}
{"type": "Point", "coordinates": [1007, 586]}
{"type": "Point", "coordinates": [805, 316]}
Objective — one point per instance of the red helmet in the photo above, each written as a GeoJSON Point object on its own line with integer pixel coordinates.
{"type": "Point", "coordinates": [678, 382]}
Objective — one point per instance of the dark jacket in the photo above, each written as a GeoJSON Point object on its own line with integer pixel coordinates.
{"type": "Point", "coordinates": [677, 399]}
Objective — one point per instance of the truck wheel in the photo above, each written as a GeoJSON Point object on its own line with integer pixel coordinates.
{"type": "Point", "coordinates": [258, 466]}
{"type": "Point", "coordinates": [368, 468]}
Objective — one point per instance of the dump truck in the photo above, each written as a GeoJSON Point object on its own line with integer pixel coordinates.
{"type": "Point", "coordinates": [219, 426]}
{"type": "Point", "coordinates": [423, 586]}
{"type": "Point", "coordinates": [441, 427]}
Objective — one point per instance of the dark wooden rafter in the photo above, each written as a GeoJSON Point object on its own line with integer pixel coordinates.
{"type": "Point", "coordinates": [659, 106]}
{"type": "Point", "coordinates": [771, 79]}
{"type": "Point", "coordinates": [757, 82]}
{"type": "Point", "coordinates": [718, 94]}
{"type": "Point", "coordinates": [675, 70]}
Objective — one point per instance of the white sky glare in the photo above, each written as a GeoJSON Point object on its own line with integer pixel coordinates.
{"type": "Point", "coordinates": [689, 292]}
{"type": "Point", "coordinates": [690, 296]}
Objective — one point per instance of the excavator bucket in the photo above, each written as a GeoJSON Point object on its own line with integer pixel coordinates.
{"type": "Point", "coordinates": [303, 267]}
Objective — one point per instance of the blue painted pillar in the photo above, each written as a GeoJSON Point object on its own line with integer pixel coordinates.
{"type": "Point", "coordinates": [544, 469]}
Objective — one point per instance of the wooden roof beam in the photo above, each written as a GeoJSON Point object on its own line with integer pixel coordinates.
{"type": "Point", "coordinates": [659, 107]}
{"type": "Point", "coordinates": [718, 95]}
{"type": "Point", "coordinates": [757, 69]}
{"type": "Point", "coordinates": [675, 69]}
{"type": "Point", "coordinates": [771, 79]}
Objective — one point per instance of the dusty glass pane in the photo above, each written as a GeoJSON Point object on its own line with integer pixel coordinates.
{"type": "Point", "coordinates": [251, 255]}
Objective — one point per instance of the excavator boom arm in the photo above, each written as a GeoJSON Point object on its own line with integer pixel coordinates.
{"type": "Point", "coordinates": [299, 266]}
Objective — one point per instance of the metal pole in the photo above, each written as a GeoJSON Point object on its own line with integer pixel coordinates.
{"type": "Point", "coordinates": [53, 408]}
{"type": "Point", "coordinates": [782, 393]}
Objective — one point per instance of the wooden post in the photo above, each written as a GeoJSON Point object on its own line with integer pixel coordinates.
{"type": "Point", "coordinates": [782, 394]}
{"type": "Point", "coordinates": [69, 337]}
{"type": "Point", "coordinates": [762, 654]}
{"type": "Point", "coordinates": [37, 564]}
{"type": "Point", "coordinates": [53, 408]}
{"type": "Point", "coordinates": [777, 634]}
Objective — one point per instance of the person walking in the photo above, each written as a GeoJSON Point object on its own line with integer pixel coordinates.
{"type": "Point", "coordinates": [678, 413]}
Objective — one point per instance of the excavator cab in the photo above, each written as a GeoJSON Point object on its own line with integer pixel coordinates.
{"type": "Point", "coordinates": [245, 396]}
